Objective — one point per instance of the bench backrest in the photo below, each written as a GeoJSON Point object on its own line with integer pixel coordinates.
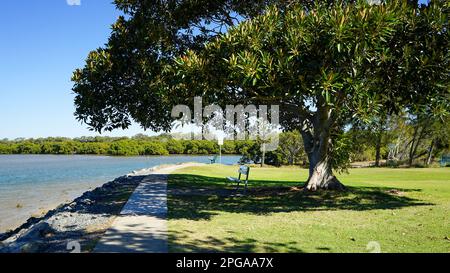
{"type": "Point", "coordinates": [244, 170]}
{"type": "Point", "coordinates": [445, 159]}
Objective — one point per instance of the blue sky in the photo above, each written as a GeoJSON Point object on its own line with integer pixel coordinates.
{"type": "Point", "coordinates": [41, 43]}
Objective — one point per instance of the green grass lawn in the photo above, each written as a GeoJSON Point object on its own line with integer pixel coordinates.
{"type": "Point", "coordinates": [404, 210]}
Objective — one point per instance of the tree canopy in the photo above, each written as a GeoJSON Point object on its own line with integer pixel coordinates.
{"type": "Point", "coordinates": [328, 66]}
{"type": "Point", "coordinates": [326, 63]}
{"type": "Point", "coordinates": [125, 80]}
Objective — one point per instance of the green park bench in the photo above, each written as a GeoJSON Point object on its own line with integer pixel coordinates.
{"type": "Point", "coordinates": [213, 159]}
{"type": "Point", "coordinates": [445, 160]}
{"type": "Point", "coordinates": [243, 170]}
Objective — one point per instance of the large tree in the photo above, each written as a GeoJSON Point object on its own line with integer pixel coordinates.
{"type": "Point", "coordinates": [328, 66]}
{"type": "Point", "coordinates": [325, 64]}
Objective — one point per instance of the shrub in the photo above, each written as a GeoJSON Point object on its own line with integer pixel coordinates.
{"type": "Point", "coordinates": [174, 146]}
{"type": "Point", "coordinates": [155, 148]}
{"type": "Point", "coordinates": [123, 148]}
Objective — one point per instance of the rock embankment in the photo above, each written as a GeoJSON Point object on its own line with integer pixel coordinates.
{"type": "Point", "coordinates": [81, 222]}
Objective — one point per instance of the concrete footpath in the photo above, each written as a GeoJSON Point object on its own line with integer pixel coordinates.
{"type": "Point", "coordinates": [142, 224]}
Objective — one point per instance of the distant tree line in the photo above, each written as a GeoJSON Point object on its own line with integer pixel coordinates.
{"type": "Point", "coordinates": [123, 146]}
{"type": "Point", "coordinates": [414, 140]}
{"type": "Point", "coordinates": [407, 139]}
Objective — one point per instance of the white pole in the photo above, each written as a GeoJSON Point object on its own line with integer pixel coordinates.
{"type": "Point", "coordinates": [220, 142]}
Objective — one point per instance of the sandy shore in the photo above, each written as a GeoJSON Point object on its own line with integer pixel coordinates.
{"type": "Point", "coordinates": [82, 221]}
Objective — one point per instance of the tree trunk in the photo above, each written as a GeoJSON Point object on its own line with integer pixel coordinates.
{"type": "Point", "coordinates": [263, 155]}
{"type": "Point", "coordinates": [321, 175]}
{"type": "Point", "coordinates": [291, 160]}
{"type": "Point", "coordinates": [411, 150]}
{"type": "Point", "coordinates": [430, 153]}
{"type": "Point", "coordinates": [378, 150]}
{"type": "Point", "coordinates": [380, 131]}
{"type": "Point", "coordinates": [415, 144]}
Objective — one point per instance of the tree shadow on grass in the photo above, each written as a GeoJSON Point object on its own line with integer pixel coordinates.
{"type": "Point", "coordinates": [177, 181]}
{"type": "Point", "coordinates": [266, 197]}
{"type": "Point", "coordinates": [181, 242]}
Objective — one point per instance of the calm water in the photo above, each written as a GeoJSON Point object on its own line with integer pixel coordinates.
{"type": "Point", "coordinates": [30, 184]}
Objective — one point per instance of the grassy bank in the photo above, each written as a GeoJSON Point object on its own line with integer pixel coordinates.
{"type": "Point", "coordinates": [404, 210]}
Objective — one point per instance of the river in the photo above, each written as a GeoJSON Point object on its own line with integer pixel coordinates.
{"type": "Point", "coordinates": [32, 184]}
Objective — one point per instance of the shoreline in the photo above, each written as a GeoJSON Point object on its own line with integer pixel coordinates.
{"type": "Point", "coordinates": [23, 209]}
{"type": "Point", "coordinates": [35, 184]}
{"type": "Point", "coordinates": [84, 219]}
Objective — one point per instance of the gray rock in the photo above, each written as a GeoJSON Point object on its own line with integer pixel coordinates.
{"type": "Point", "coordinates": [31, 247]}
{"type": "Point", "coordinates": [36, 232]}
